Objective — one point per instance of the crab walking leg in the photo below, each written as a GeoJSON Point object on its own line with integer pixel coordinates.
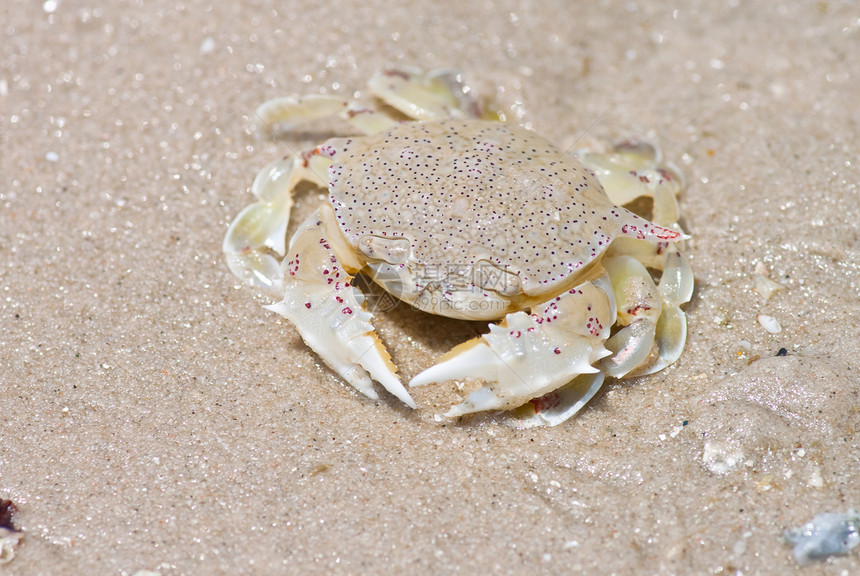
{"type": "Point", "coordinates": [676, 288]}
{"type": "Point", "coordinates": [262, 226]}
{"type": "Point", "coordinates": [636, 169]}
{"type": "Point", "coordinates": [559, 405]}
{"type": "Point", "coordinates": [639, 306]}
{"type": "Point", "coordinates": [527, 356]}
{"type": "Point", "coordinates": [288, 113]}
{"type": "Point", "coordinates": [433, 96]}
{"type": "Point", "coordinates": [329, 313]}
{"type": "Point", "coordinates": [655, 327]}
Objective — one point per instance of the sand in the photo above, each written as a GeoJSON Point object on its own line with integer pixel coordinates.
{"type": "Point", "coordinates": [155, 417]}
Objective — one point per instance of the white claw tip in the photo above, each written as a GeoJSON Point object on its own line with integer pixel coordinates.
{"type": "Point", "coordinates": [403, 395]}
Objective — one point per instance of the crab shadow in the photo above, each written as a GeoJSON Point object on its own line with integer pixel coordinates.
{"type": "Point", "coordinates": [431, 335]}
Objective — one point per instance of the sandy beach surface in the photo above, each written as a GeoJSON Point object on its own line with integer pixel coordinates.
{"type": "Point", "coordinates": [156, 417]}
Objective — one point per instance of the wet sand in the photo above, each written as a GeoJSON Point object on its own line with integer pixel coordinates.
{"type": "Point", "coordinates": [155, 417]}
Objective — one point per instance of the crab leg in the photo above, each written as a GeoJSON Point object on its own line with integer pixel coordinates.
{"type": "Point", "coordinates": [329, 313]}
{"type": "Point", "coordinates": [543, 363]}
{"type": "Point", "coordinates": [527, 356]}
{"type": "Point", "coordinates": [261, 227]}
{"type": "Point", "coordinates": [635, 169]}
{"type": "Point", "coordinates": [632, 170]}
{"type": "Point", "coordinates": [639, 306]}
{"type": "Point", "coordinates": [286, 114]}
{"type": "Point", "coordinates": [559, 405]}
{"type": "Point", "coordinates": [676, 288]}
{"type": "Point", "coordinates": [432, 96]}
{"type": "Point", "coordinates": [655, 327]}
{"type": "Point", "coordinates": [669, 335]}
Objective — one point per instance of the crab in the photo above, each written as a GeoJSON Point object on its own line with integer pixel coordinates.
{"type": "Point", "coordinates": [452, 210]}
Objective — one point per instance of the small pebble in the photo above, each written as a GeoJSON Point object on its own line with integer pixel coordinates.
{"type": "Point", "coordinates": [769, 323]}
{"type": "Point", "coordinates": [765, 286]}
{"type": "Point", "coordinates": [207, 46]}
{"type": "Point", "coordinates": [825, 535]}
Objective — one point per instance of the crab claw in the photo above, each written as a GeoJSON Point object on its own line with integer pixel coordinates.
{"type": "Point", "coordinates": [340, 332]}
{"type": "Point", "coordinates": [531, 357]}
{"type": "Point", "coordinates": [330, 314]}
{"type": "Point", "coordinates": [522, 358]}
